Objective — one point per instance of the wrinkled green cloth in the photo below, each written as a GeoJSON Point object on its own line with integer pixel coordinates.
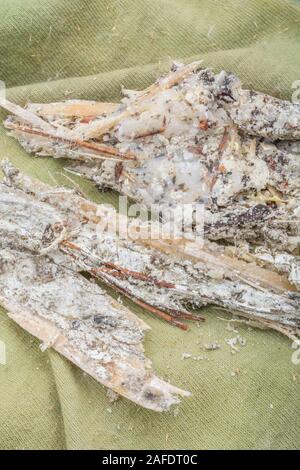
{"type": "Point", "coordinates": [58, 49]}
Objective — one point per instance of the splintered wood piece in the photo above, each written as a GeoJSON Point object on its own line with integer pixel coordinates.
{"type": "Point", "coordinates": [77, 319]}
{"type": "Point", "coordinates": [189, 274]}
{"type": "Point", "coordinates": [101, 151]}
{"type": "Point", "coordinates": [72, 108]}
{"type": "Point", "coordinates": [235, 268]}
{"type": "Point", "coordinates": [96, 129]}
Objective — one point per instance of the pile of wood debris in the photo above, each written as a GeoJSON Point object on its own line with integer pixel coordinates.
{"type": "Point", "coordinates": [193, 137]}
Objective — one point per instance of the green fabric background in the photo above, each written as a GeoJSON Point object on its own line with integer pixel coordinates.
{"type": "Point", "coordinates": [58, 49]}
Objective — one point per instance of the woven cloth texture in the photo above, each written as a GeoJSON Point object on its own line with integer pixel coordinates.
{"type": "Point", "coordinates": [57, 49]}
